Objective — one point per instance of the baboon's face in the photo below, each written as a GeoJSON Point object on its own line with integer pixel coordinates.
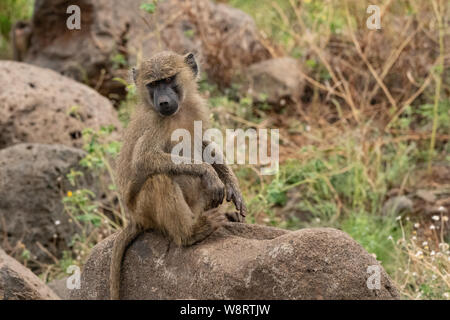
{"type": "Point", "coordinates": [165, 95]}
{"type": "Point", "coordinates": [165, 80]}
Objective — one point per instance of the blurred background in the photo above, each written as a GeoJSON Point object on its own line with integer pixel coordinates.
{"type": "Point", "coordinates": [364, 119]}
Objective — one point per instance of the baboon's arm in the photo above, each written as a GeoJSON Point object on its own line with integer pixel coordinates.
{"type": "Point", "coordinates": [148, 161]}
{"type": "Point", "coordinates": [160, 162]}
{"type": "Point", "coordinates": [229, 180]}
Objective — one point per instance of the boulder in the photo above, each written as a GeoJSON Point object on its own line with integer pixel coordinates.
{"type": "Point", "coordinates": [277, 81]}
{"type": "Point", "coordinates": [229, 39]}
{"type": "Point", "coordinates": [239, 261]}
{"type": "Point", "coordinates": [59, 287]}
{"type": "Point", "coordinates": [19, 283]}
{"type": "Point", "coordinates": [39, 105]}
{"type": "Point", "coordinates": [114, 33]}
{"type": "Point", "coordinates": [32, 184]}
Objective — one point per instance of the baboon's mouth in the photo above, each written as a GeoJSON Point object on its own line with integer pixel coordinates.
{"type": "Point", "coordinates": [168, 111]}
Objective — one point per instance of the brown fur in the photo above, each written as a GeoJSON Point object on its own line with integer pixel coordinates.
{"type": "Point", "coordinates": [174, 199]}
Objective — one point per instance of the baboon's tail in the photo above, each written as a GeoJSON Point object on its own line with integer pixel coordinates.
{"type": "Point", "coordinates": [123, 239]}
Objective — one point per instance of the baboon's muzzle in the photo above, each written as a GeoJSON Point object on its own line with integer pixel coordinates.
{"type": "Point", "coordinates": [166, 100]}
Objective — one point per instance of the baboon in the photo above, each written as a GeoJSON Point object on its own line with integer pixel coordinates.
{"type": "Point", "coordinates": [20, 39]}
{"type": "Point", "coordinates": [180, 200]}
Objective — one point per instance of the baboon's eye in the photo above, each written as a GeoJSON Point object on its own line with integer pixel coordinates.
{"type": "Point", "coordinates": [151, 84]}
{"type": "Point", "coordinates": [169, 79]}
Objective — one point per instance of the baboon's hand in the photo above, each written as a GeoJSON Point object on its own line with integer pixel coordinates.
{"type": "Point", "coordinates": [214, 187]}
{"type": "Point", "coordinates": [234, 194]}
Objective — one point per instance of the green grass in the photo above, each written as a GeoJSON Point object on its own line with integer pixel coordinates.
{"type": "Point", "coordinates": [10, 12]}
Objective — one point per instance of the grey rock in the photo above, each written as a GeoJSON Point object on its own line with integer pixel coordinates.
{"type": "Point", "coordinates": [239, 261]}
{"type": "Point", "coordinates": [39, 105]}
{"type": "Point", "coordinates": [397, 205]}
{"type": "Point", "coordinates": [426, 195]}
{"type": "Point", "coordinates": [32, 184]}
{"type": "Point", "coordinates": [279, 80]}
{"type": "Point", "coordinates": [59, 287]}
{"type": "Point", "coordinates": [19, 283]}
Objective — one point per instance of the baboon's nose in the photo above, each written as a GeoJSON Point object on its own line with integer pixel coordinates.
{"type": "Point", "coordinates": [167, 106]}
{"type": "Point", "coordinates": [164, 102]}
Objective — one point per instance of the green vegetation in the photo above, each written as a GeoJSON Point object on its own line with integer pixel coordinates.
{"type": "Point", "coordinates": [95, 217]}
{"type": "Point", "coordinates": [10, 12]}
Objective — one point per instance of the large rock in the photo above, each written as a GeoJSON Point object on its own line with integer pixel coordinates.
{"type": "Point", "coordinates": [32, 184]}
{"type": "Point", "coordinates": [239, 261]}
{"type": "Point", "coordinates": [277, 81]}
{"type": "Point", "coordinates": [115, 32]}
{"type": "Point", "coordinates": [19, 283]}
{"type": "Point", "coordinates": [229, 39]}
{"type": "Point", "coordinates": [39, 105]}
{"type": "Point", "coordinates": [59, 287]}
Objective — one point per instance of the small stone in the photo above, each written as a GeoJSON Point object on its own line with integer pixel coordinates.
{"type": "Point", "coordinates": [397, 205]}
{"type": "Point", "coordinates": [426, 195]}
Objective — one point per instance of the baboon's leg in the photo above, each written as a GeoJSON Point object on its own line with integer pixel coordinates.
{"type": "Point", "coordinates": [206, 224]}
{"type": "Point", "coordinates": [161, 205]}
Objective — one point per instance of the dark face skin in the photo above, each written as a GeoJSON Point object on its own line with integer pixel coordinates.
{"type": "Point", "coordinates": [165, 95]}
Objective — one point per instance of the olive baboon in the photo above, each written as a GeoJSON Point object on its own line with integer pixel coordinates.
{"type": "Point", "coordinates": [180, 200]}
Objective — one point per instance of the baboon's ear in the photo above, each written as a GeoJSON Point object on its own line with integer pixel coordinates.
{"type": "Point", "coordinates": [135, 74]}
{"type": "Point", "coordinates": [190, 61]}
